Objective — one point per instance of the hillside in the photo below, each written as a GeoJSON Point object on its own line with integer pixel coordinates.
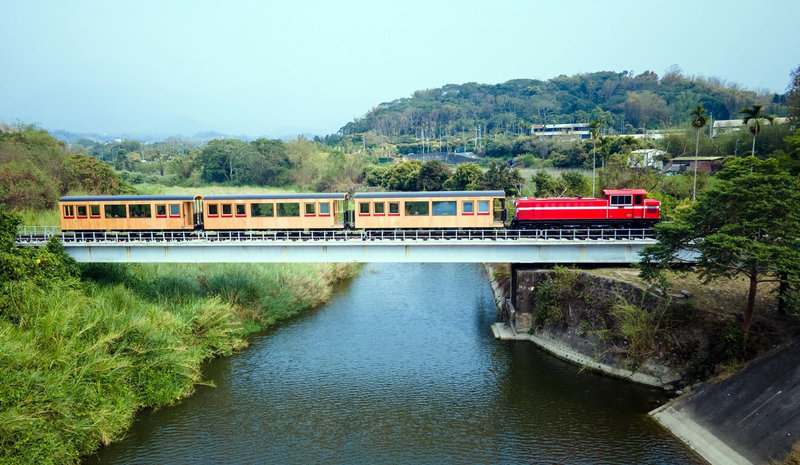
{"type": "Point", "coordinates": [624, 101]}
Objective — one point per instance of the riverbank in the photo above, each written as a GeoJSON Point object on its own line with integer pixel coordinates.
{"type": "Point", "coordinates": [81, 357]}
{"type": "Point", "coordinates": [605, 320]}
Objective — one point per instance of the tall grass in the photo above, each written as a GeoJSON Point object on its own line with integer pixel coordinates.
{"type": "Point", "coordinates": [40, 217]}
{"type": "Point", "coordinates": [78, 361]}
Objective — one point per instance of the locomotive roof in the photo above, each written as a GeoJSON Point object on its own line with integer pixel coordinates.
{"type": "Point", "coordinates": [107, 198]}
{"type": "Point", "coordinates": [380, 195]}
{"type": "Point", "coordinates": [304, 196]}
{"type": "Point", "coordinates": [624, 191]}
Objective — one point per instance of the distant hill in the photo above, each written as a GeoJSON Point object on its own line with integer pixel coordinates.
{"type": "Point", "coordinates": [623, 101]}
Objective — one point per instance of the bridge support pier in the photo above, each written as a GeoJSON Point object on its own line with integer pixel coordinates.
{"type": "Point", "coordinates": [522, 302]}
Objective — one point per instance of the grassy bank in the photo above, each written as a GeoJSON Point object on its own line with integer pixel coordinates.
{"type": "Point", "coordinates": [81, 356]}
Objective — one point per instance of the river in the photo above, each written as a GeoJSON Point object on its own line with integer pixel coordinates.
{"type": "Point", "coordinates": [401, 368]}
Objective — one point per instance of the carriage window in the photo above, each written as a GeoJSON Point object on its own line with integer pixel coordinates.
{"type": "Point", "coordinates": [363, 208]}
{"type": "Point", "coordinates": [310, 210]}
{"type": "Point", "coordinates": [324, 209]}
{"type": "Point", "coordinates": [483, 207]}
{"type": "Point", "coordinates": [116, 211]}
{"type": "Point", "coordinates": [394, 208]}
{"type": "Point", "coordinates": [289, 209]}
{"type": "Point", "coordinates": [174, 210]}
{"type": "Point", "coordinates": [467, 207]}
{"type": "Point", "coordinates": [227, 209]}
{"type": "Point", "coordinates": [240, 211]}
{"type": "Point", "coordinates": [262, 209]}
{"type": "Point", "coordinates": [94, 210]}
{"type": "Point", "coordinates": [379, 208]}
{"type": "Point", "coordinates": [69, 211]}
{"type": "Point", "coordinates": [81, 211]}
{"type": "Point", "coordinates": [213, 209]}
{"type": "Point", "coordinates": [621, 199]}
{"type": "Point", "coordinates": [161, 211]}
{"type": "Point", "coordinates": [444, 208]}
{"type": "Point", "coordinates": [140, 211]}
{"type": "Point", "coordinates": [417, 209]}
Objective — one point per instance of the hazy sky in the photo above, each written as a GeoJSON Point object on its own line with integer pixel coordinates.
{"type": "Point", "coordinates": [278, 68]}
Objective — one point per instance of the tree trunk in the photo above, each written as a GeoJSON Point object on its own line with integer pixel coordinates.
{"type": "Point", "coordinates": [753, 153]}
{"type": "Point", "coordinates": [751, 303]}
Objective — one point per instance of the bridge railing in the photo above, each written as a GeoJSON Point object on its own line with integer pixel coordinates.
{"type": "Point", "coordinates": [39, 235]}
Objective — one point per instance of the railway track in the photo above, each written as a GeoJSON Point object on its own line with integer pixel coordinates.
{"type": "Point", "coordinates": [39, 235]}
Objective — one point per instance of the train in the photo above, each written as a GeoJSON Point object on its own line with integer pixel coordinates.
{"type": "Point", "coordinates": [616, 208]}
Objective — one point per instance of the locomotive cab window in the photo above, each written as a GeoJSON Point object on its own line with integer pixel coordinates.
{"type": "Point", "coordinates": [378, 208]}
{"type": "Point", "coordinates": [69, 211]}
{"type": "Point", "coordinates": [289, 209]}
{"type": "Point", "coordinates": [140, 211]}
{"type": "Point", "coordinates": [483, 207]}
{"type": "Point", "coordinates": [161, 211]}
{"type": "Point", "coordinates": [444, 208]}
{"type": "Point", "coordinates": [621, 199]}
{"type": "Point", "coordinates": [417, 209]}
{"type": "Point", "coordinates": [116, 211]}
{"type": "Point", "coordinates": [174, 210]}
{"type": "Point", "coordinates": [94, 211]}
{"type": "Point", "coordinates": [638, 199]}
{"type": "Point", "coordinates": [324, 209]}
{"type": "Point", "coordinates": [363, 208]}
{"type": "Point", "coordinates": [467, 207]}
{"type": "Point", "coordinates": [240, 211]}
{"type": "Point", "coordinates": [262, 210]}
{"type": "Point", "coordinates": [394, 208]}
{"type": "Point", "coordinates": [81, 211]}
{"type": "Point", "coordinates": [227, 209]}
{"type": "Point", "coordinates": [310, 209]}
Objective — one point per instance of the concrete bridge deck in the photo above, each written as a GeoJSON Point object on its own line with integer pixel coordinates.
{"type": "Point", "coordinates": [580, 246]}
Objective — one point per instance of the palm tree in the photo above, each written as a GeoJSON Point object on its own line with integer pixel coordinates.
{"type": "Point", "coordinates": [699, 120]}
{"type": "Point", "coordinates": [594, 129]}
{"type": "Point", "coordinates": [754, 114]}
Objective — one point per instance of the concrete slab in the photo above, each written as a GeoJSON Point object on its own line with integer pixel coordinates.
{"type": "Point", "coordinates": [754, 414]}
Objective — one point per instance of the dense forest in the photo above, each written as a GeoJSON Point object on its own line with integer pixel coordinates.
{"type": "Point", "coordinates": [450, 116]}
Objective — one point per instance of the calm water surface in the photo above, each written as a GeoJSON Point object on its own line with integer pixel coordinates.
{"type": "Point", "coordinates": [401, 368]}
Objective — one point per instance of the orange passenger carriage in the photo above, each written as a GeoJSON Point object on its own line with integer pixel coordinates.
{"type": "Point", "coordinates": [429, 210]}
{"type": "Point", "coordinates": [273, 211]}
{"type": "Point", "coordinates": [625, 208]}
{"type": "Point", "coordinates": [128, 212]}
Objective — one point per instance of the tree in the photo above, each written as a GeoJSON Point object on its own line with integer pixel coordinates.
{"type": "Point", "coordinates": [755, 116]}
{"type": "Point", "coordinates": [432, 176]}
{"type": "Point", "coordinates": [746, 224]}
{"type": "Point", "coordinates": [794, 94]}
{"type": "Point", "coordinates": [272, 166]}
{"type": "Point", "coordinates": [500, 176]}
{"type": "Point", "coordinates": [86, 174]}
{"type": "Point", "coordinates": [699, 120]}
{"type": "Point", "coordinates": [467, 176]}
{"type": "Point", "coordinates": [594, 128]}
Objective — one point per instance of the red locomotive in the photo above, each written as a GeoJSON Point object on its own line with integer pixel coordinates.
{"type": "Point", "coordinates": [617, 208]}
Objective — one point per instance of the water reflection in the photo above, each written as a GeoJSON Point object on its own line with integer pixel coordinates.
{"type": "Point", "coordinates": [401, 368]}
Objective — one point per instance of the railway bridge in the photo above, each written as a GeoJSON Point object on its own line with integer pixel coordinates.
{"type": "Point", "coordinates": [565, 246]}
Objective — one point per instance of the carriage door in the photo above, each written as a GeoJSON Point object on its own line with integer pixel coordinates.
{"type": "Point", "coordinates": [638, 206]}
{"type": "Point", "coordinates": [187, 215]}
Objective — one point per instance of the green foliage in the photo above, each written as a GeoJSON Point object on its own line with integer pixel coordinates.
{"type": "Point", "coordinates": [467, 177]}
{"type": "Point", "coordinates": [746, 224]}
{"type": "Point", "coordinates": [86, 174]}
{"type": "Point", "coordinates": [501, 177]}
{"type": "Point", "coordinates": [22, 185]}
{"type": "Point", "coordinates": [78, 359]}
{"type": "Point", "coordinates": [554, 296]}
{"type": "Point", "coordinates": [641, 329]}
{"type": "Point", "coordinates": [432, 176]}
{"type": "Point", "coordinates": [567, 184]}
